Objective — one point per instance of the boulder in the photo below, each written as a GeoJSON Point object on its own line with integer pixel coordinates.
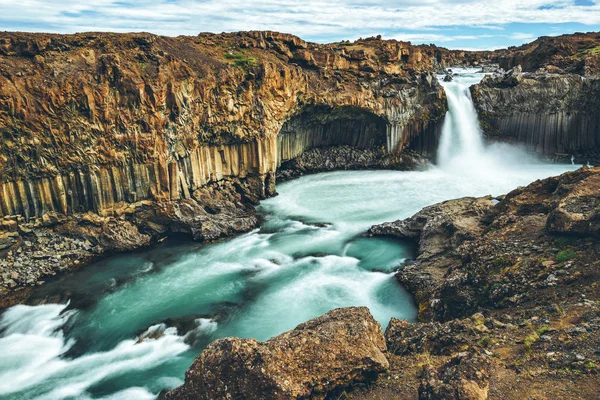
{"type": "Point", "coordinates": [320, 357]}
{"type": "Point", "coordinates": [578, 212]}
{"type": "Point", "coordinates": [464, 377]}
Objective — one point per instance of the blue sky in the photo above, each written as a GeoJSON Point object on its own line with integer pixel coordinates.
{"type": "Point", "coordinates": [466, 24]}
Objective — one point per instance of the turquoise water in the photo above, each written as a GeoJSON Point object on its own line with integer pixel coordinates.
{"type": "Point", "coordinates": [308, 257]}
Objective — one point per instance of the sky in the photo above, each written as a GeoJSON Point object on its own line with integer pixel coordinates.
{"type": "Point", "coordinates": [456, 24]}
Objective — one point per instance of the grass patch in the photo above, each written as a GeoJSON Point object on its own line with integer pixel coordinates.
{"type": "Point", "coordinates": [543, 330]}
{"type": "Point", "coordinates": [243, 60]}
{"type": "Point", "coordinates": [565, 255]}
{"type": "Point", "coordinates": [487, 341]}
{"type": "Point", "coordinates": [591, 51]}
{"type": "Point", "coordinates": [530, 340]}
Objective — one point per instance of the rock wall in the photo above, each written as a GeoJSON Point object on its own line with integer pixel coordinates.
{"type": "Point", "coordinates": [109, 188]}
{"type": "Point", "coordinates": [112, 136]}
{"type": "Point", "coordinates": [577, 53]}
{"type": "Point", "coordinates": [315, 128]}
{"type": "Point", "coordinates": [91, 121]}
{"type": "Point", "coordinates": [554, 115]}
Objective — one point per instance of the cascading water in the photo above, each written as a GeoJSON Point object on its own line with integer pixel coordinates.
{"type": "Point", "coordinates": [307, 258]}
{"type": "Point", "coordinates": [461, 142]}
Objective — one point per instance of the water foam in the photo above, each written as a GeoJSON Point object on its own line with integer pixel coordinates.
{"type": "Point", "coordinates": [33, 344]}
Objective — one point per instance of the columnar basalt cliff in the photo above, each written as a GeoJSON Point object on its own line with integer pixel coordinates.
{"type": "Point", "coordinates": [128, 134]}
{"type": "Point", "coordinates": [556, 115]}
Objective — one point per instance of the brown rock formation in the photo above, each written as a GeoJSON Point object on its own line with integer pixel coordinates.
{"type": "Point", "coordinates": [319, 357]}
{"type": "Point", "coordinates": [577, 53]}
{"type": "Point", "coordinates": [513, 288]}
{"type": "Point", "coordinates": [474, 253]}
{"type": "Point", "coordinates": [141, 129]}
{"type": "Point", "coordinates": [438, 230]}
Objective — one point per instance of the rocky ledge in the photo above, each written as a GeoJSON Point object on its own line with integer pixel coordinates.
{"type": "Point", "coordinates": [514, 284]}
{"type": "Point", "coordinates": [349, 158]}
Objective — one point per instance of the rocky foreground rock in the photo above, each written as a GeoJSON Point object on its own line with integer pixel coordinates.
{"type": "Point", "coordinates": [321, 357]}
{"type": "Point", "coordinates": [513, 285]}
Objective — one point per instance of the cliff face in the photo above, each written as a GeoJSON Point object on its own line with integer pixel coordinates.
{"type": "Point", "coordinates": [89, 121]}
{"type": "Point", "coordinates": [552, 114]}
{"type": "Point", "coordinates": [106, 136]}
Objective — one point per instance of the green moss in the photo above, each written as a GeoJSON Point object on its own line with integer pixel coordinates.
{"type": "Point", "coordinates": [243, 60]}
{"type": "Point", "coordinates": [530, 340]}
{"type": "Point", "coordinates": [590, 51]}
{"type": "Point", "coordinates": [487, 341]}
{"type": "Point", "coordinates": [543, 330]}
{"type": "Point", "coordinates": [500, 263]}
{"type": "Point", "coordinates": [565, 255]}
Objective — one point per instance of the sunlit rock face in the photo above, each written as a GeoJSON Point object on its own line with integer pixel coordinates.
{"type": "Point", "coordinates": [112, 136]}
{"type": "Point", "coordinates": [93, 121]}
{"type": "Point", "coordinates": [573, 53]}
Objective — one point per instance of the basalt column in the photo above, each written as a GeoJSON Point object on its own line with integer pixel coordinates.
{"type": "Point", "coordinates": [110, 187]}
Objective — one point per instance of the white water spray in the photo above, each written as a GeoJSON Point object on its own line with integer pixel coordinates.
{"type": "Point", "coordinates": [461, 139]}
{"type": "Point", "coordinates": [462, 151]}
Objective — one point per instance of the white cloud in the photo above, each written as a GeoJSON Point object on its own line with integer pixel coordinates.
{"type": "Point", "coordinates": [522, 36]}
{"type": "Point", "coordinates": [308, 18]}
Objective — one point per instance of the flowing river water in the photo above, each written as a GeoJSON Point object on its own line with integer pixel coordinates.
{"type": "Point", "coordinates": [308, 257]}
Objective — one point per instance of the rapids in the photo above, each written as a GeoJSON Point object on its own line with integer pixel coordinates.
{"type": "Point", "coordinates": [130, 325]}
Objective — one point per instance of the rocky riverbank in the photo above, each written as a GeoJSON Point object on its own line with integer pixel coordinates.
{"type": "Point", "coordinates": [39, 249]}
{"type": "Point", "coordinates": [349, 158]}
{"type": "Point", "coordinates": [509, 302]}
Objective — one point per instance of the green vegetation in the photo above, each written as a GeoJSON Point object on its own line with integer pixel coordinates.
{"type": "Point", "coordinates": [531, 339]}
{"type": "Point", "coordinates": [565, 255]}
{"type": "Point", "coordinates": [243, 60]}
{"type": "Point", "coordinates": [590, 51]}
{"type": "Point", "coordinates": [543, 330]}
{"type": "Point", "coordinates": [487, 341]}
{"type": "Point", "coordinates": [559, 309]}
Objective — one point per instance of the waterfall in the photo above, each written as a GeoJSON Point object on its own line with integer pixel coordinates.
{"type": "Point", "coordinates": [461, 143]}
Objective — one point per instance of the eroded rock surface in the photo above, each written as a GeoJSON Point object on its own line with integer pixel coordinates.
{"type": "Point", "coordinates": [320, 357]}
{"type": "Point", "coordinates": [556, 115]}
{"type": "Point", "coordinates": [438, 230]}
{"type": "Point", "coordinates": [513, 291]}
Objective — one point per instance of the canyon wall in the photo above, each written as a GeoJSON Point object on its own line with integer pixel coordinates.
{"type": "Point", "coordinates": [111, 141]}
{"type": "Point", "coordinates": [94, 120]}
{"type": "Point", "coordinates": [577, 53]}
{"type": "Point", "coordinates": [555, 115]}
